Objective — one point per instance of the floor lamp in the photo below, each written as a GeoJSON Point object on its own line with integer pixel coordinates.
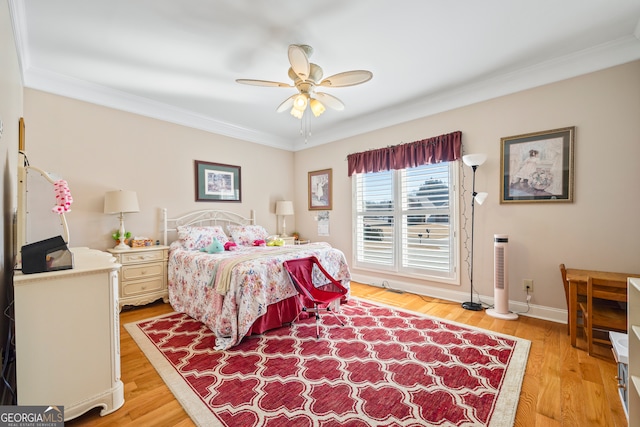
{"type": "Point", "coordinates": [474, 160]}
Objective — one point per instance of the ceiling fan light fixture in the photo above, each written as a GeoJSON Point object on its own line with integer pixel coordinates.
{"type": "Point", "coordinates": [316, 106]}
{"type": "Point", "coordinates": [306, 77]}
{"type": "Point", "coordinates": [297, 113]}
{"type": "Point", "coordinates": [300, 102]}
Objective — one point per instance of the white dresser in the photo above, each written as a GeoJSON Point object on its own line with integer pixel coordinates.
{"type": "Point", "coordinates": [620, 348]}
{"type": "Point", "coordinates": [633, 288]}
{"type": "Point", "coordinates": [68, 336]}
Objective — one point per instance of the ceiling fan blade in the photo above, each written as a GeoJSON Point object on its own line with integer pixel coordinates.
{"type": "Point", "coordinates": [347, 78]}
{"type": "Point", "coordinates": [330, 101]}
{"type": "Point", "coordinates": [262, 83]}
{"type": "Point", "coordinates": [288, 103]}
{"type": "Point", "coordinates": [299, 61]}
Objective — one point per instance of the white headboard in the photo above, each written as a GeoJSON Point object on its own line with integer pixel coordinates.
{"type": "Point", "coordinates": [205, 217]}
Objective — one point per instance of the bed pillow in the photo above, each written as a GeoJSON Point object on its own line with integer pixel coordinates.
{"type": "Point", "coordinates": [196, 238]}
{"type": "Point", "coordinates": [245, 235]}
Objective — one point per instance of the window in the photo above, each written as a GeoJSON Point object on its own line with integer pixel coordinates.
{"type": "Point", "coordinates": [405, 221]}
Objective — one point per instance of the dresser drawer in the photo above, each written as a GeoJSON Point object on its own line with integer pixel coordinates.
{"type": "Point", "coordinates": [142, 287]}
{"type": "Point", "coordinates": [140, 256]}
{"type": "Point", "coordinates": [134, 272]}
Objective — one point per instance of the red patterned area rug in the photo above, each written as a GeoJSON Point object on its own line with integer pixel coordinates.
{"type": "Point", "coordinates": [385, 367]}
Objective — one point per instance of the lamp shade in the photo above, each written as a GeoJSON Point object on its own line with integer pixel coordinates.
{"type": "Point", "coordinates": [474, 159]}
{"type": "Point", "coordinates": [284, 207]}
{"type": "Point", "coordinates": [119, 201]}
{"type": "Point", "coordinates": [316, 107]}
{"type": "Point", "coordinates": [300, 102]}
{"type": "Point", "coordinates": [481, 197]}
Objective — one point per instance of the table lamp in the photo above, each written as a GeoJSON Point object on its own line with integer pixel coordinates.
{"type": "Point", "coordinates": [284, 208]}
{"type": "Point", "coordinates": [121, 202]}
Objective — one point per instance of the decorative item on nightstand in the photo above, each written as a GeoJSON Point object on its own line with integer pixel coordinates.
{"type": "Point", "coordinates": [121, 202]}
{"type": "Point", "coordinates": [284, 208]}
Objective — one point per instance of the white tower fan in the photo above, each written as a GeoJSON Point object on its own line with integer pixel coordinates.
{"type": "Point", "coordinates": [500, 279]}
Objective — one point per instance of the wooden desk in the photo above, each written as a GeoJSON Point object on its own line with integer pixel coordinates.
{"type": "Point", "coordinates": [577, 286]}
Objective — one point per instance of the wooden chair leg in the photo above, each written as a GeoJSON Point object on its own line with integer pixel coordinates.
{"type": "Point", "coordinates": [588, 318]}
{"type": "Point", "coordinates": [588, 334]}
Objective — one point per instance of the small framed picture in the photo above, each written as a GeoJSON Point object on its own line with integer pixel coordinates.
{"type": "Point", "coordinates": [320, 192]}
{"type": "Point", "coordinates": [537, 167]}
{"type": "Point", "coordinates": [216, 182]}
{"type": "Point", "coordinates": [21, 134]}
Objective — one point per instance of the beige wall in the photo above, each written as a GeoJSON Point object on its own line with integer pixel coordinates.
{"type": "Point", "coordinates": [600, 230]}
{"type": "Point", "coordinates": [98, 149]}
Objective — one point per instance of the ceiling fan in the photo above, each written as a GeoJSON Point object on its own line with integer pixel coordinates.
{"type": "Point", "coordinates": [306, 78]}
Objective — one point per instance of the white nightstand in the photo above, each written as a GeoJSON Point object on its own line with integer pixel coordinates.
{"type": "Point", "coordinates": [143, 275]}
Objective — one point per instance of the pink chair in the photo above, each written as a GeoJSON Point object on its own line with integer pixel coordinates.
{"type": "Point", "coordinates": [302, 272]}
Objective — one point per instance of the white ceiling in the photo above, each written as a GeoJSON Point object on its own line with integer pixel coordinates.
{"type": "Point", "coordinates": [178, 60]}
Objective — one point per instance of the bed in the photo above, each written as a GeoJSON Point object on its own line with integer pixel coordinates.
{"type": "Point", "coordinates": [241, 291]}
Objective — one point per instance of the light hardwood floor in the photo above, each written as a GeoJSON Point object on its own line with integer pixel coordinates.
{"type": "Point", "coordinates": [563, 386]}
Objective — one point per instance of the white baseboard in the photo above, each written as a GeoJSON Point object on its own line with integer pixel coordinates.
{"type": "Point", "coordinates": [520, 308]}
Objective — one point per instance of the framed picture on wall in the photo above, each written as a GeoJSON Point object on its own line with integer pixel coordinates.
{"type": "Point", "coordinates": [537, 167]}
{"type": "Point", "coordinates": [320, 192]}
{"type": "Point", "coordinates": [21, 134]}
{"type": "Point", "coordinates": [216, 182]}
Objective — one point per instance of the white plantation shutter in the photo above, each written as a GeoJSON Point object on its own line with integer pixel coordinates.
{"type": "Point", "coordinates": [404, 220]}
{"type": "Point", "coordinates": [426, 219]}
{"type": "Point", "coordinates": [375, 218]}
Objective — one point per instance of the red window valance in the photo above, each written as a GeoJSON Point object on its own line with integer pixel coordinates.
{"type": "Point", "coordinates": [443, 148]}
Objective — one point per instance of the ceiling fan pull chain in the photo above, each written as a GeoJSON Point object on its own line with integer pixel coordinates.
{"type": "Point", "coordinates": [305, 127]}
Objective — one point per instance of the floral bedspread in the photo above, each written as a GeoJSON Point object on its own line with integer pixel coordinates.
{"type": "Point", "coordinates": [254, 284]}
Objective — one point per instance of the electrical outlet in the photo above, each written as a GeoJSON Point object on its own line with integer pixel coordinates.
{"type": "Point", "coordinates": [527, 285]}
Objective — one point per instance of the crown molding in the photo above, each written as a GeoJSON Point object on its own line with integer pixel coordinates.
{"type": "Point", "coordinates": [70, 87]}
{"type": "Point", "coordinates": [617, 52]}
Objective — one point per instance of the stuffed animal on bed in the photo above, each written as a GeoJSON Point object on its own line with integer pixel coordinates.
{"type": "Point", "coordinates": [230, 246]}
{"type": "Point", "coordinates": [214, 247]}
{"type": "Point", "coordinates": [275, 241]}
